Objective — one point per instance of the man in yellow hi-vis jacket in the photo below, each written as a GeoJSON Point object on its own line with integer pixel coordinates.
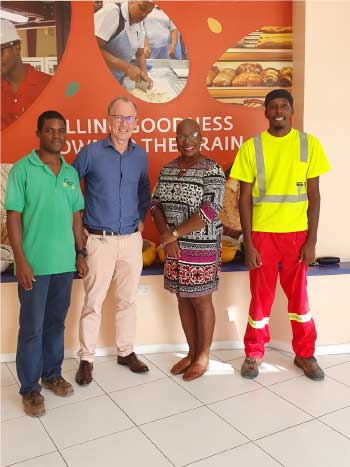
{"type": "Point", "coordinates": [279, 204]}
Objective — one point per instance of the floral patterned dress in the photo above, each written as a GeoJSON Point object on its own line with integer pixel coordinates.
{"type": "Point", "coordinates": [200, 189]}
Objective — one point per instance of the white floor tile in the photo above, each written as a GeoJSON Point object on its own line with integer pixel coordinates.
{"type": "Point", "coordinates": [340, 372]}
{"type": "Point", "coordinates": [244, 456]}
{"type": "Point", "coordinates": [11, 403]}
{"type": "Point", "coordinates": [275, 368]}
{"type": "Point", "coordinates": [6, 377]}
{"type": "Point", "coordinates": [193, 435]}
{"type": "Point", "coordinates": [80, 392]}
{"type": "Point", "coordinates": [165, 361]}
{"type": "Point", "coordinates": [23, 438]}
{"type": "Point", "coordinates": [218, 384]}
{"type": "Point", "coordinates": [326, 361]}
{"type": "Point", "coordinates": [104, 359]}
{"type": "Point", "coordinates": [259, 413]}
{"type": "Point", "coordinates": [84, 421]}
{"type": "Point", "coordinates": [112, 377]}
{"type": "Point", "coordinates": [154, 400]}
{"type": "Point", "coordinates": [48, 460]}
{"type": "Point", "coordinates": [229, 354]}
{"type": "Point", "coordinates": [127, 449]}
{"type": "Point", "coordinates": [315, 397]}
{"type": "Point", "coordinates": [309, 444]}
{"type": "Point", "coordinates": [69, 364]}
{"type": "Point", "coordinates": [12, 367]}
{"type": "Point", "coordinates": [339, 420]}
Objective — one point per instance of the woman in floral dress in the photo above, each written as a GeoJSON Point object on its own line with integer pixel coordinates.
{"type": "Point", "coordinates": [185, 208]}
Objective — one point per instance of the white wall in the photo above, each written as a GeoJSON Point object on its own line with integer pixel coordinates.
{"type": "Point", "coordinates": [327, 110]}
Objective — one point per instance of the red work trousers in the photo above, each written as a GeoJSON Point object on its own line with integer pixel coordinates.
{"type": "Point", "coordinates": [275, 249]}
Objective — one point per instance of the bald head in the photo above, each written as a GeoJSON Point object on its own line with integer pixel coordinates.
{"type": "Point", "coordinates": [187, 125]}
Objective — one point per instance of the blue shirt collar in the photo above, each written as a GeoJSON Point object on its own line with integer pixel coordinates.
{"type": "Point", "coordinates": [107, 142]}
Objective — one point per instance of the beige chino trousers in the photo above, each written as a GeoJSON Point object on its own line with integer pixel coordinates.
{"type": "Point", "coordinates": [114, 261]}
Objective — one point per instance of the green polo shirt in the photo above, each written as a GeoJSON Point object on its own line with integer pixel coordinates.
{"type": "Point", "coordinates": [47, 204]}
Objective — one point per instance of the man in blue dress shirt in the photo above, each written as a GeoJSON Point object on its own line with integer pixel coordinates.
{"type": "Point", "coordinates": [117, 196]}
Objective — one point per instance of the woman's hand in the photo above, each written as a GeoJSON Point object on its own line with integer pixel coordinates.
{"type": "Point", "coordinates": [167, 237]}
{"type": "Point", "coordinates": [172, 250]}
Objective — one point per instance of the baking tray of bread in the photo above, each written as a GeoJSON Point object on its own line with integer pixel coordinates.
{"type": "Point", "coordinates": [239, 78]}
{"type": "Point", "coordinates": [268, 37]}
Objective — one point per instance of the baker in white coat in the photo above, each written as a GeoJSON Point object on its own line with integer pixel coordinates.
{"type": "Point", "coordinates": [120, 35]}
{"type": "Point", "coordinates": [161, 35]}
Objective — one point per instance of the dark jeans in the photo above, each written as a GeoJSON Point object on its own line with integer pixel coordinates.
{"type": "Point", "coordinates": [40, 348]}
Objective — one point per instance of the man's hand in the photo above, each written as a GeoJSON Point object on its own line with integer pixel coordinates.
{"type": "Point", "coordinates": [172, 51]}
{"type": "Point", "coordinates": [148, 80]}
{"type": "Point", "coordinates": [307, 253]}
{"type": "Point", "coordinates": [141, 226]}
{"type": "Point", "coordinates": [147, 51]}
{"type": "Point", "coordinates": [81, 266]}
{"type": "Point", "coordinates": [172, 250]}
{"type": "Point", "coordinates": [24, 274]}
{"type": "Point", "coordinates": [252, 257]}
{"type": "Point", "coordinates": [134, 73]}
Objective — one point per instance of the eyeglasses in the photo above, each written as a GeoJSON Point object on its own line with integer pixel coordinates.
{"type": "Point", "coordinates": [130, 119]}
{"type": "Point", "coordinates": [191, 137]}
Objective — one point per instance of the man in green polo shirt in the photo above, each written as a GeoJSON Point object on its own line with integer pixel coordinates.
{"type": "Point", "coordinates": [43, 203]}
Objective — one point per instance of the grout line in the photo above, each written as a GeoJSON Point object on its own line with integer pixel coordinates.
{"type": "Point", "coordinates": [285, 429]}
{"type": "Point", "coordinates": [245, 435]}
{"type": "Point", "coordinates": [30, 459]}
{"type": "Point", "coordinates": [169, 416]}
{"type": "Point", "coordinates": [106, 435]}
{"type": "Point", "coordinates": [336, 380]}
{"type": "Point", "coordinates": [129, 387]}
{"type": "Point", "coordinates": [62, 457]}
{"type": "Point", "coordinates": [137, 426]}
{"type": "Point", "coordinates": [215, 454]}
{"type": "Point", "coordinates": [292, 403]}
{"type": "Point", "coordinates": [331, 427]}
{"type": "Point", "coordinates": [157, 447]}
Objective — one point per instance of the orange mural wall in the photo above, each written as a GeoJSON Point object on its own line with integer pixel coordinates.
{"type": "Point", "coordinates": [83, 86]}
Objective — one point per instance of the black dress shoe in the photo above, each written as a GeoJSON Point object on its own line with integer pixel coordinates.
{"type": "Point", "coordinates": [84, 373]}
{"type": "Point", "coordinates": [133, 363]}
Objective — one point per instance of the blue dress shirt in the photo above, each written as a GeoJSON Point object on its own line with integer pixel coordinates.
{"type": "Point", "coordinates": [117, 188]}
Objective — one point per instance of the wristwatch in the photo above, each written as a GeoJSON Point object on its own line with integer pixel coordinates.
{"type": "Point", "coordinates": [175, 234]}
{"type": "Point", "coordinates": [82, 252]}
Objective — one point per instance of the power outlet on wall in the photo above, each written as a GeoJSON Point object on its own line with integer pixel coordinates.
{"type": "Point", "coordinates": [143, 289]}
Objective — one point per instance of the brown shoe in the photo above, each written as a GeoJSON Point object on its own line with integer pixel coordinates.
{"type": "Point", "coordinates": [181, 366]}
{"type": "Point", "coordinates": [310, 367]}
{"type": "Point", "coordinates": [133, 363]}
{"type": "Point", "coordinates": [33, 404]}
{"type": "Point", "coordinates": [84, 373]}
{"type": "Point", "coordinates": [250, 367]}
{"type": "Point", "coordinates": [196, 370]}
{"type": "Point", "coordinates": [58, 386]}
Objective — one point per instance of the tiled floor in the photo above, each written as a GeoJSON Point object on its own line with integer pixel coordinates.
{"type": "Point", "coordinates": [156, 420]}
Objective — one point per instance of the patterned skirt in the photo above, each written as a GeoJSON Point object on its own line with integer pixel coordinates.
{"type": "Point", "coordinates": [197, 270]}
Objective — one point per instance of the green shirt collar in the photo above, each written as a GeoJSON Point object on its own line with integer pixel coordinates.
{"type": "Point", "coordinates": [35, 159]}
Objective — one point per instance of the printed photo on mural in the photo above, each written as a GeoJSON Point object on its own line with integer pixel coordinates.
{"type": "Point", "coordinates": [143, 49]}
{"type": "Point", "coordinates": [258, 63]}
{"type": "Point", "coordinates": [33, 39]}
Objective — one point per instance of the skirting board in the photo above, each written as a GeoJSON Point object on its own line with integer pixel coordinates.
{"type": "Point", "coordinates": [320, 349]}
{"type": "Point", "coordinates": [162, 348]}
